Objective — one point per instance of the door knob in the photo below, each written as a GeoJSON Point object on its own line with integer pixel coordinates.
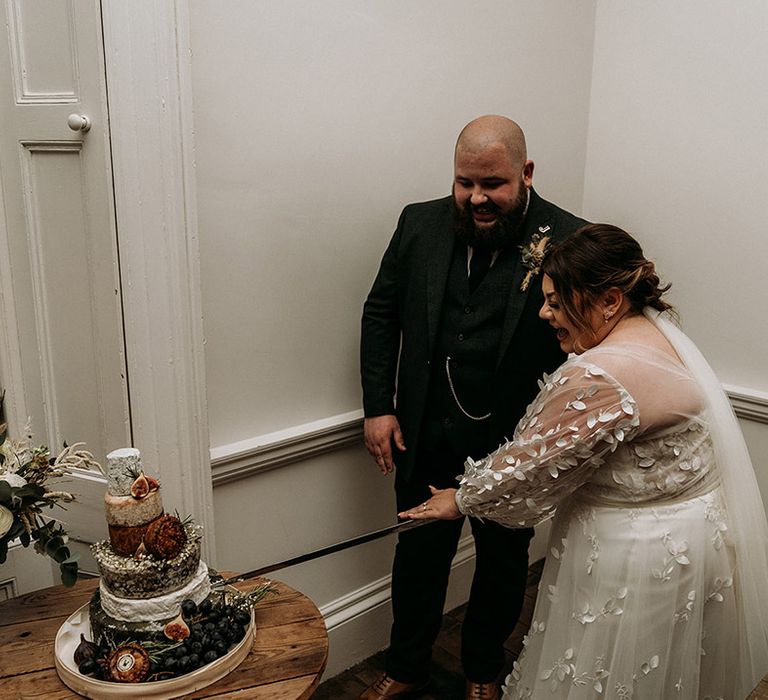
{"type": "Point", "coordinates": [78, 122]}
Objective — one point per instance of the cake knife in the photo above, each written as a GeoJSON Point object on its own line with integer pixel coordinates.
{"type": "Point", "coordinates": [330, 549]}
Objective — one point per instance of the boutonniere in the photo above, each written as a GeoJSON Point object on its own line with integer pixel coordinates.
{"type": "Point", "coordinates": [533, 256]}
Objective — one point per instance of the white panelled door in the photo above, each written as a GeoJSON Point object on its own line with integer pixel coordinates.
{"type": "Point", "coordinates": [61, 343]}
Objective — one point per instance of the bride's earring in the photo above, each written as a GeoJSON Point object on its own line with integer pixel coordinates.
{"type": "Point", "coordinates": [607, 316]}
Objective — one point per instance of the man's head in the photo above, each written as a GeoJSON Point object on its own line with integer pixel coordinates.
{"type": "Point", "coordinates": [492, 175]}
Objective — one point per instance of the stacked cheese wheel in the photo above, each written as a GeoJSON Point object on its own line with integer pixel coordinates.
{"type": "Point", "coordinates": [151, 562]}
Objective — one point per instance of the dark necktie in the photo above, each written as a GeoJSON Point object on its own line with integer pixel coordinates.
{"type": "Point", "coordinates": [479, 264]}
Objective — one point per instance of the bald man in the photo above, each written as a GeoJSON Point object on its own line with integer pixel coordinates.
{"type": "Point", "coordinates": [452, 348]}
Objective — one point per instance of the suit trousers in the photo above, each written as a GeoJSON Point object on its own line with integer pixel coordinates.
{"type": "Point", "coordinates": [420, 575]}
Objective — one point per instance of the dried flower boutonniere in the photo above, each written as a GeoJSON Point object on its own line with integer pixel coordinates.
{"type": "Point", "coordinates": [532, 257]}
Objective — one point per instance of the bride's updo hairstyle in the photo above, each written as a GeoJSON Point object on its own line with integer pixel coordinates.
{"type": "Point", "coordinates": [594, 259]}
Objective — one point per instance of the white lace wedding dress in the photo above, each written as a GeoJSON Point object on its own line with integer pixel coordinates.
{"type": "Point", "coordinates": [637, 598]}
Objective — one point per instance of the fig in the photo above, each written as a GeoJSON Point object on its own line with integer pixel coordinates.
{"type": "Point", "coordinates": [85, 651]}
{"type": "Point", "coordinates": [140, 487]}
{"type": "Point", "coordinates": [165, 537]}
{"type": "Point", "coordinates": [154, 484]}
{"type": "Point", "coordinates": [176, 630]}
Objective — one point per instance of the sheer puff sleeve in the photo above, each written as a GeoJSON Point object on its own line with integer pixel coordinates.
{"type": "Point", "coordinates": [580, 414]}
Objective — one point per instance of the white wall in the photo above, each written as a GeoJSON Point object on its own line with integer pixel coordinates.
{"type": "Point", "coordinates": [315, 123]}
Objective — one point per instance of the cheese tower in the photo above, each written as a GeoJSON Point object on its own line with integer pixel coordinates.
{"type": "Point", "coordinates": [151, 562]}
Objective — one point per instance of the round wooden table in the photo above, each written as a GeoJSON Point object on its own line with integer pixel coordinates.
{"type": "Point", "coordinates": [761, 692]}
{"type": "Point", "coordinates": [289, 652]}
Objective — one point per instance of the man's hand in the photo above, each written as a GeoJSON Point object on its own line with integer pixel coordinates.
{"type": "Point", "coordinates": [380, 433]}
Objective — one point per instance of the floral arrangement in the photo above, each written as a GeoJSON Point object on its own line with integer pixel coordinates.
{"type": "Point", "coordinates": [532, 257]}
{"type": "Point", "coordinates": [26, 476]}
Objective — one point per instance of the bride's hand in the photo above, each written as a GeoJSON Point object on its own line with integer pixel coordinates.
{"type": "Point", "coordinates": [442, 506]}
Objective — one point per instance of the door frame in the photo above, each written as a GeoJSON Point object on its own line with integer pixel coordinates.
{"type": "Point", "coordinates": [149, 84]}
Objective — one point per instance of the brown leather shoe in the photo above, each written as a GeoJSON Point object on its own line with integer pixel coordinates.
{"type": "Point", "coordinates": [482, 691]}
{"type": "Point", "coordinates": [386, 687]}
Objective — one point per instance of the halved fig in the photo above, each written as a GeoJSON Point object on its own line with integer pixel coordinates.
{"type": "Point", "coordinates": [176, 630]}
{"type": "Point", "coordinates": [140, 486]}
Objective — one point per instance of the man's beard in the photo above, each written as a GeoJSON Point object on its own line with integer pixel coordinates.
{"type": "Point", "coordinates": [503, 232]}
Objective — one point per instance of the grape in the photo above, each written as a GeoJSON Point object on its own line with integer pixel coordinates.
{"type": "Point", "coordinates": [196, 647]}
{"type": "Point", "coordinates": [188, 608]}
{"type": "Point", "coordinates": [221, 648]}
{"type": "Point", "coordinates": [210, 656]}
{"type": "Point", "coordinates": [205, 606]}
{"type": "Point", "coordinates": [170, 663]}
{"type": "Point", "coordinates": [194, 661]}
{"type": "Point", "coordinates": [88, 667]}
{"type": "Point", "coordinates": [242, 617]}
{"type": "Point", "coordinates": [181, 651]}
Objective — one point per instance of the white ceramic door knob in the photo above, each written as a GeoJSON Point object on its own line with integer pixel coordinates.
{"type": "Point", "coordinates": [78, 122]}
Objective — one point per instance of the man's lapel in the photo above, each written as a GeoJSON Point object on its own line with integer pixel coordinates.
{"type": "Point", "coordinates": [438, 264]}
{"type": "Point", "coordinates": [536, 222]}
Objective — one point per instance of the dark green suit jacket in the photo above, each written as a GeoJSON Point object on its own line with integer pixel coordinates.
{"type": "Point", "coordinates": [403, 310]}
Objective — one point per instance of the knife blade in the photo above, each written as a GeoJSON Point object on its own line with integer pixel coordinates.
{"type": "Point", "coordinates": [323, 551]}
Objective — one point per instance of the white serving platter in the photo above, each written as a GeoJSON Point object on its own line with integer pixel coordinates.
{"type": "Point", "coordinates": [68, 637]}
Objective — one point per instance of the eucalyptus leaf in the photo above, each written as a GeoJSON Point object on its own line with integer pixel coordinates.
{"type": "Point", "coordinates": [16, 530]}
{"type": "Point", "coordinates": [60, 555]}
{"type": "Point", "coordinates": [68, 572]}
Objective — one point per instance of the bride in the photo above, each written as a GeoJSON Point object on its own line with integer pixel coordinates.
{"type": "Point", "coordinates": [656, 579]}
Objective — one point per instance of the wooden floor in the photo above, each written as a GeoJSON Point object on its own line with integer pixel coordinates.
{"type": "Point", "coordinates": [447, 680]}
